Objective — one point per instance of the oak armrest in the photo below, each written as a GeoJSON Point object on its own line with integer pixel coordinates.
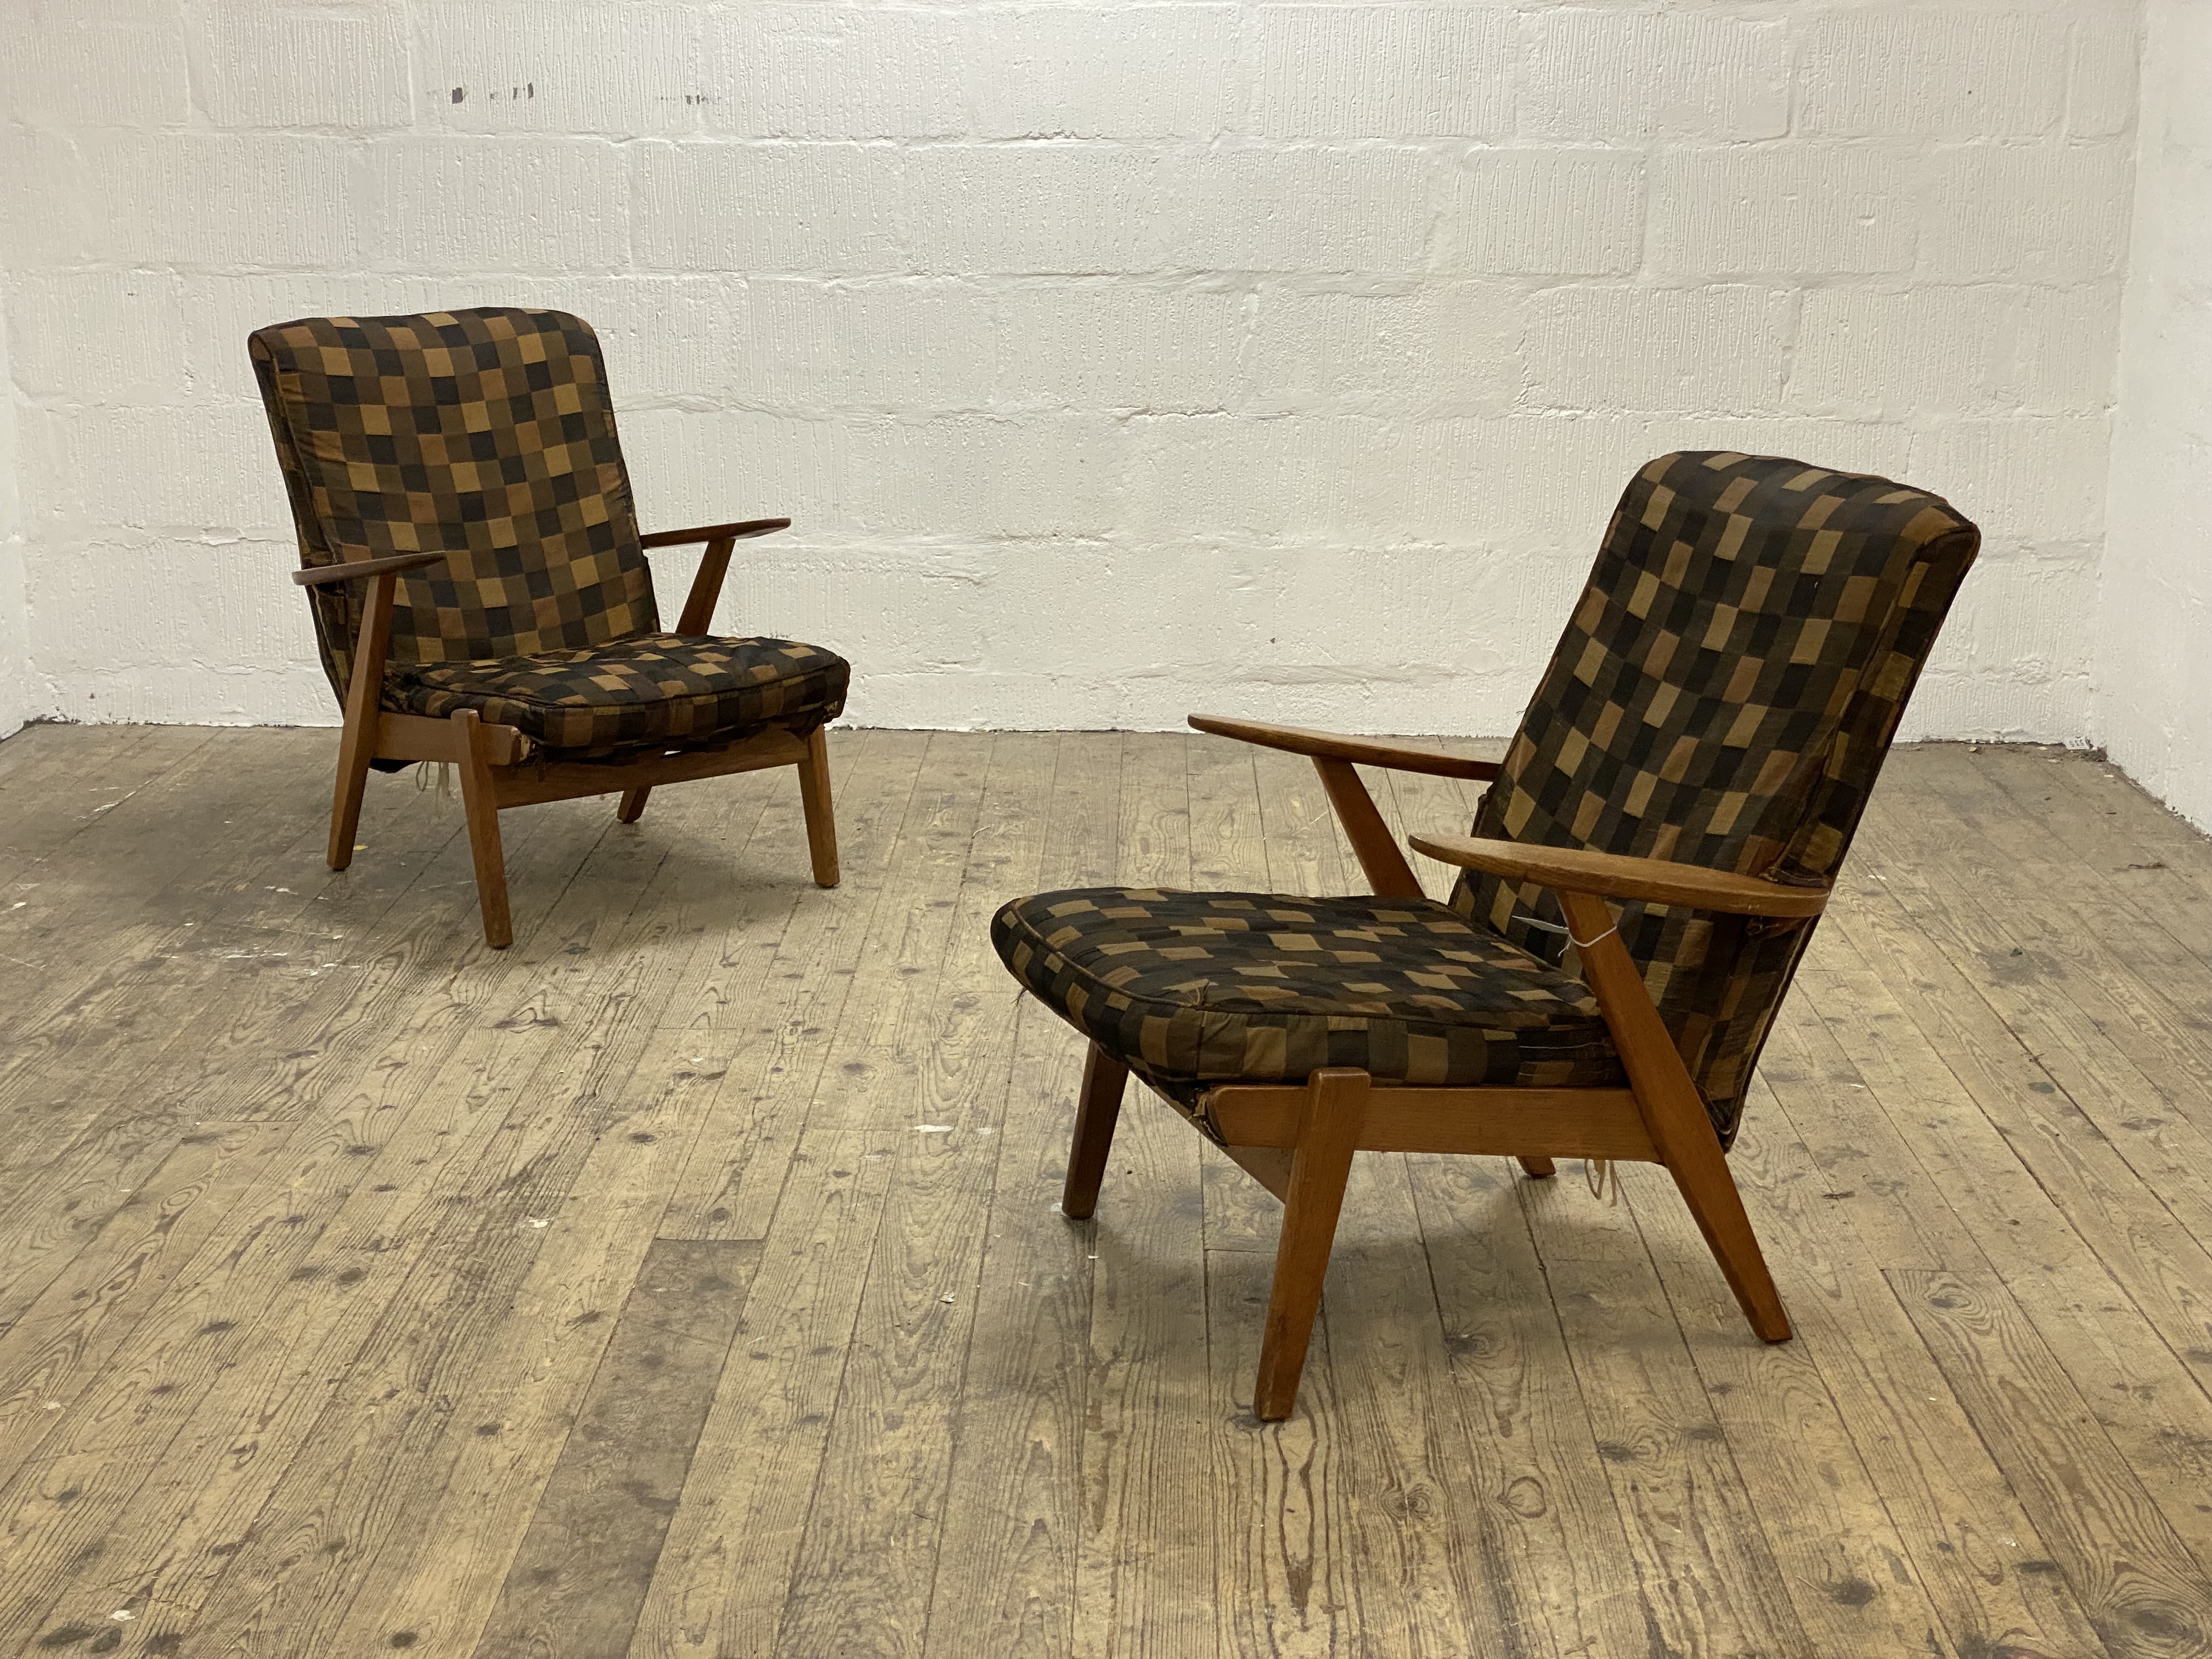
{"type": "Point", "coordinates": [1615, 875]}
{"type": "Point", "coordinates": [1331, 745]}
{"type": "Point", "coordinates": [714, 532]}
{"type": "Point", "coordinates": [320, 576]}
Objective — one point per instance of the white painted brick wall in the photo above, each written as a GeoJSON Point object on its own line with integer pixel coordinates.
{"type": "Point", "coordinates": [2152, 705]}
{"type": "Point", "coordinates": [1115, 358]}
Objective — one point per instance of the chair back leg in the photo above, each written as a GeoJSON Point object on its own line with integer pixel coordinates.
{"type": "Point", "coordinates": [1321, 1163]}
{"type": "Point", "coordinates": [1105, 1080]}
{"type": "Point", "coordinates": [1674, 1113]}
{"type": "Point", "coordinates": [633, 805]}
{"type": "Point", "coordinates": [480, 797]}
{"type": "Point", "coordinates": [814, 796]}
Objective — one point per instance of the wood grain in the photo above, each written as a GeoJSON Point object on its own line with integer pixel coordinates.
{"type": "Point", "coordinates": [278, 1137]}
{"type": "Point", "coordinates": [581, 1575]}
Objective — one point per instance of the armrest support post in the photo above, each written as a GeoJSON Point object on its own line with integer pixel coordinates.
{"type": "Point", "coordinates": [707, 587]}
{"type": "Point", "coordinates": [1387, 872]}
{"type": "Point", "coordinates": [713, 564]}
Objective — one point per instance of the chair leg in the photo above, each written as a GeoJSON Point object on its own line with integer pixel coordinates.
{"type": "Point", "coordinates": [1674, 1113]}
{"type": "Point", "coordinates": [480, 799]}
{"type": "Point", "coordinates": [633, 805]}
{"type": "Point", "coordinates": [354, 750]}
{"type": "Point", "coordinates": [821, 825]}
{"type": "Point", "coordinates": [1096, 1112]}
{"type": "Point", "coordinates": [1539, 1167]}
{"type": "Point", "coordinates": [1321, 1163]}
{"type": "Point", "coordinates": [1701, 1177]}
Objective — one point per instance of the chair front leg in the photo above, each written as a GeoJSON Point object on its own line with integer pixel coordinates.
{"type": "Point", "coordinates": [821, 822]}
{"type": "Point", "coordinates": [633, 805]}
{"type": "Point", "coordinates": [1674, 1112]}
{"type": "Point", "coordinates": [363, 709]}
{"type": "Point", "coordinates": [1321, 1163]}
{"type": "Point", "coordinates": [480, 800]}
{"type": "Point", "coordinates": [1105, 1080]}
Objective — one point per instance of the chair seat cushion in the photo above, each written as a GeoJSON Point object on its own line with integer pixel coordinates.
{"type": "Point", "coordinates": [650, 689]}
{"type": "Point", "coordinates": [1194, 989]}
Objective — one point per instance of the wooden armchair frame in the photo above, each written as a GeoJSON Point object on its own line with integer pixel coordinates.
{"type": "Point", "coordinates": [494, 777]}
{"type": "Point", "coordinates": [1298, 1140]}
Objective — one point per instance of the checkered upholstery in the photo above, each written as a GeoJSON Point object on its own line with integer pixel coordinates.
{"type": "Point", "coordinates": [660, 687]}
{"type": "Point", "coordinates": [489, 435]}
{"type": "Point", "coordinates": [1723, 695]}
{"type": "Point", "coordinates": [1193, 989]}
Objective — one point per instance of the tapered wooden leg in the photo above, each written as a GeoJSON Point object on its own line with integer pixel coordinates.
{"type": "Point", "coordinates": [1539, 1167]}
{"type": "Point", "coordinates": [1104, 1079]}
{"type": "Point", "coordinates": [633, 805]}
{"type": "Point", "coordinates": [1709, 1190]}
{"type": "Point", "coordinates": [363, 707]}
{"type": "Point", "coordinates": [1674, 1112]}
{"type": "Point", "coordinates": [1336, 1106]}
{"type": "Point", "coordinates": [821, 826]}
{"type": "Point", "coordinates": [480, 797]}
{"type": "Point", "coordinates": [354, 750]}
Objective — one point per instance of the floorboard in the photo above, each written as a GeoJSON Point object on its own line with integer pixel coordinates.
{"type": "Point", "coordinates": [688, 1281]}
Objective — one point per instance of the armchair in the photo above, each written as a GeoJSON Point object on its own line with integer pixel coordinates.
{"type": "Point", "coordinates": [480, 590]}
{"type": "Point", "coordinates": [1645, 870]}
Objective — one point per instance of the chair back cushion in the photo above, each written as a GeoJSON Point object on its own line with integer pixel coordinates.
{"type": "Point", "coordinates": [485, 434]}
{"type": "Point", "coordinates": [1724, 696]}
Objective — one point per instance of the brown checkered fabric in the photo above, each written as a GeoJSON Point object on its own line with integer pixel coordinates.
{"type": "Point", "coordinates": [1724, 696]}
{"type": "Point", "coordinates": [1194, 989]}
{"type": "Point", "coordinates": [488, 435]}
{"type": "Point", "coordinates": [661, 688]}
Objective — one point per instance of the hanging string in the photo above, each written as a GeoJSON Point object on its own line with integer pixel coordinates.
{"type": "Point", "coordinates": [1602, 1173]}
{"type": "Point", "coordinates": [445, 784]}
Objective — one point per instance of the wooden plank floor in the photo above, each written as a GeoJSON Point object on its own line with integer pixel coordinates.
{"type": "Point", "coordinates": [686, 1280]}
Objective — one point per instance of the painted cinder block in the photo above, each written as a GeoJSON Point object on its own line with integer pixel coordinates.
{"type": "Point", "coordinates": [2037, 212]}
{"type": "Point", "coordinates": [888, 345]}
{"type": "Point", "coordinates": [1137, 72]}
{"type": "Point", "coordinates": [225, 200]}
{"type": "Point", "coordinates": [42, 200]}
{"type": "Point", "coordinates": [1381, 71]}
{"type": "Point", "coordinates": [695, 466]}
{"type": "Point", "coordinates": [116, 64]}
{"type": "Point", "coordinates": [979, 476]}
{"type": "Point", "coordinates": [2102, 84]}
{"type": "Point", "coordinates": [1546, 212]}
{"type": "Point", "coordinates": [1621, 74]}
{"type": "Point", "coordinates": [580, 66]}
{"type": "Point", "coordinates": [498, 204]}
{"type": "Point", "coordinates": [1948, 71]}
{"type": "Point", "coordinates": [2038, 479]}
{"type": "Point", "coordinates": [261, 66]}
{"type": "Point", "coordinates": [1974, 349]}
{"type": "Point", "coordinates": [1716, 348]}
{"type": "Point", "coordinates": [1442, 346]}
{"type": "Point", "coordinates": [827, 72]}
{"type": "Point", "coordinates": [97, 337]}
{"type": "Point", "coordinates": [124, 632]}
{"type": "Point", "coordinates": [201, 470]}
{"type": "Point", "coordinates": [1312, 207]}
{"type": "Point", "coordinates": [1790, 209]}
{"type": "Point", "coordinates": [749, 208]}
{"type": "Point", "coordinates": [1108, 345]}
